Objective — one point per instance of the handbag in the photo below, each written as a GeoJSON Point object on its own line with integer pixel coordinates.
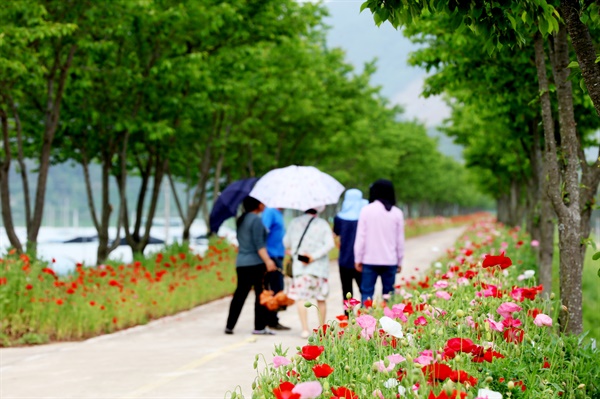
{"type": "Point", "coordinates": [289, 260]}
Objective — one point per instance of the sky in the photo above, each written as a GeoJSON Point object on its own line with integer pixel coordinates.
{"type": "Point", "coordinates": [363, 41]}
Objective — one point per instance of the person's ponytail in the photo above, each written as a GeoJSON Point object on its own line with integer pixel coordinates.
{"type": "Point", "coordinates": [250, 204]}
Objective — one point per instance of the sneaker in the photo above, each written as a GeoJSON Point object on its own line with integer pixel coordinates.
{"type": "Point", "coordinates": [280, 327]}
{"type": "Point", "coordinates": [228, 331]}
{"type": "Point", "coordinates": [264, 331]}
{"type": "Point", "coordinates": [304, 334]}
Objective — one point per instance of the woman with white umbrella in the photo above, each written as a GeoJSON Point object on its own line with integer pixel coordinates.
{"type": "Point", "coordinates": [310, 239]}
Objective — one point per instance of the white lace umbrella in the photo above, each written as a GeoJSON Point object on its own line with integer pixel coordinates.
{"type": "Point", "coordinates": [297, 187]}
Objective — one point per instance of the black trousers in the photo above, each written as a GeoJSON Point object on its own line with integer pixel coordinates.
{"type": "Point", "coordinates": [248, 277]}
{"type": "Point", "coordinates": [348, 274]}
{"type": "Point", "coordinates": [274, 282]}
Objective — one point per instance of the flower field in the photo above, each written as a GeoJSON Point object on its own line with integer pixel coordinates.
{"type": "Point", "coordinates": [474, 327]}
{"type": "Point", "coordinates": [37, 306]}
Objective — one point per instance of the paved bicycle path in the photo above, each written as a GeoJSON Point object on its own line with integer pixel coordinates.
{"type": "Point", "coordinates": [182, 356]}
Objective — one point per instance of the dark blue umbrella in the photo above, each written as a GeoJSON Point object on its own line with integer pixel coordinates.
{"type": "Point", "coordinates": [228, 202]}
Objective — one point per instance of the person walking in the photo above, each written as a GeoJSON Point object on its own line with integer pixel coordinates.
{"type": "Point", "coordinates": [309, 239]}
{"type": "Point", "coordinates": [344, 227]}
{"type": "Point", "coordinates": [272, 219]}
{"type": "Point", "coordinates": [251, 265]}
{"type": "Point", "coordinates": [379, 244]}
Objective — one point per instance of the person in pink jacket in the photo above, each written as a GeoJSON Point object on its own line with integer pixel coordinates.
{"type": "Point", "coordinates": [379, 244]}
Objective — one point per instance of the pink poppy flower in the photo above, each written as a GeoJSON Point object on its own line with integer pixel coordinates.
{"type": "Point", "coordinates": [368, 324]}
{"type": "Point", "coordinates": [396, 358]}
{"type": "Point", "coordinates": [535, 243]}
{"type": "Point", "coordinates": [542, 320]}
{"type": "Point", "coordinates": [443, 294]}
{"type": "Point", "coordinates": [495, 325]}
{"type": "Point", "coordinates": [462, 281]}
{"type": "Point", "coordinates": [507, 309]}
{"type": "Point", "coordinates": [350, 303]}
{"type": "Point", "coordinates": [308, 390]}
{"type": "Point", "coordinates": [470, 322]}
{"type": "Point", "coordinates": [381, 367]}
{"type": "Point", "coordinates": [440, 284]}
{"type": "Point", "coordinates": [420, 321]}
{"type": "Point", "coordinates": [396, 312]}
{"type": "Point", "coordinates": [280, 361]}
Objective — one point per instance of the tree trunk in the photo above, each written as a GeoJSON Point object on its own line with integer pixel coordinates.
{"type": "Point", "coordinates": [51, 119]}
{"type": "Point", "coordinates": [21, 161]}
{"type": "Point", "coordinates": [199, 194]}
{"type": "Point", "coordinates": [550, 179]}
{"type": "Point", "coordinates": [568, 208]}
{"type": "Point", "coordinates": [503, 208]}
{"type": "Point", "coordinates": [5, 186]}
{"type": "Point", "coordinates": [584, 49]}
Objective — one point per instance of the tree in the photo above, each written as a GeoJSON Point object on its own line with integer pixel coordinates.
{"type": "Point", "coordinates": [513, 24]}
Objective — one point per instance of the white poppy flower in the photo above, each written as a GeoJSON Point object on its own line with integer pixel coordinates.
{"type": "Point", "coordinates": [488, 394]}
{"type": "Point", "coordinates": [391, 327]}
{"type": "Point", "coordinates": [391, 383]}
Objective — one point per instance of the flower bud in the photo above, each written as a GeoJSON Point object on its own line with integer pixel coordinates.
{"type": "Point", "coordinates": [580, 386]}
{"type": "Point", "coordinates": [564, 308]}
{"type": "Point", "coordinates": [552, 295]}
{"type": "Point", "coordinates": [307, 304]}
{"type": "Point", "coordinates": [460, 313]}
{"type": "Point", "coordinates": [510, 385]}
{"type": "Point", "coordinates": [488, 379]}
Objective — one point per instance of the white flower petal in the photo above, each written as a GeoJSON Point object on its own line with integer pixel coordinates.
{"type": "Point", "coordinates": [391, 383]}
{"type": "Point", "coordinates": [391, 327]}
{"type": "Point", "coordinates": [488, 394]}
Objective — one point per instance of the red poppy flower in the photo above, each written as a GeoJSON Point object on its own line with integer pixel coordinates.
{"type": "Point", "coordinates": [322, 370]}
{"type": "Point", "coordinates": [293, 374]}
{"type": "Point", "coordinates": [500, 260]}
{"type": "Point", "coordinates": [343, 393]}
{"type": "Point", "coordinates": [546, 364]}
{"type": "Point", "coordinates": [443, 395]}
{"type": "Point", "coordinates": [513, 334]}
{"type": "Point", "coordinates": [59, 301]}
{"type": "Point", "coordinates": [462, 377]}
{"type": "Point", "coordinates": [3, 280]}
{"type": "Point", "coordinates": [437, 371]}
{"type": "Point", "coordinates": [29, 287]}
{"type": "Point", "coordinates": [284, 391]}
{"type": "Point", "coordinates": [464, 345]}
{"type": "Point", "coordinates": [470, 274]}
{"type": "Point", "coordinates": [311, 352]}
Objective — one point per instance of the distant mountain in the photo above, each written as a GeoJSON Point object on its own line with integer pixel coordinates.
{"type": "Point", "coordinates": [363, 41]}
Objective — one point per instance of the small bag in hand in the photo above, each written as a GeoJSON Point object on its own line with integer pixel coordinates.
{"type": "Point", "coordinates": [288, 269]}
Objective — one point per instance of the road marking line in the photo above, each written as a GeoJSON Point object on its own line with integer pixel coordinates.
{"type": "Point", "coordinates": [190, 366]}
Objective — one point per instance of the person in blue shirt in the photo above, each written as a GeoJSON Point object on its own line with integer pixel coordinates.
{"type": "Point", "coordinates": [272, 219]}
{"type": "Point", "coordinates": [344, 227]}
